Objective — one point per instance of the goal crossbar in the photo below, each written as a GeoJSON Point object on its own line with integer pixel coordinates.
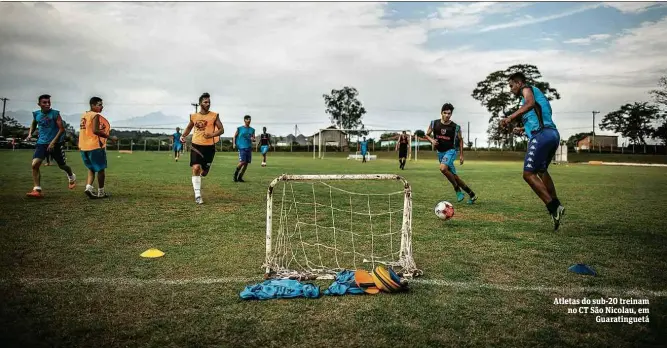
{"type": "Point", "coordinates": [320, 153]}
{"type": "Point", "coordinates": [405, 260]}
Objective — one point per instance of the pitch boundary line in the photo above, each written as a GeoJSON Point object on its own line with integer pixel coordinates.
{"type": "Point", "coordinates": [431, 282]}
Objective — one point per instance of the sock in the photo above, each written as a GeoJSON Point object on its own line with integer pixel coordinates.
{"type": "Point", "coordinates": [468, 191]}
{"type": "Point", "coordinates": [236, 172]}
{"type": "Point", "coordinates": [553, 205]}
{"type": "Point", "coordinates": [37, 188]}
{"type": "Point", "coordinates": [89, 187]}
{"type": "Point", "coordinates": [70, 177]}
{"type": "Point", "coordinates": [100, 191]}
{"type": "Point", "coordinates": [196, 184]}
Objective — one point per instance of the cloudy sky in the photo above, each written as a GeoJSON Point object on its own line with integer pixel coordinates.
{"type": "Point", "coordinates": [275, 60]}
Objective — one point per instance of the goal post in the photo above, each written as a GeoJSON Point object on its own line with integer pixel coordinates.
{"type": "Point", "coordinates": [318, 151]}
{"type": "Point", "coordinates": [321, 225]}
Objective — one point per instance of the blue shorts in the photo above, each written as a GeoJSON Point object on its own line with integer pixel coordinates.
{"type": "Point", "coordinates": [178, 147]}
{"type": "Point", "coordinates": [542, 148]}
{"type": "Point", "coordinates": [264, 149]}
{"type": "Point", "coordinates": [447, 158]}
{"type": "Point", "coordinates": [58, 153]}
{"type": "Point", "coordinates": [364, 152]}
{"type": "Point", "coordinates": [245, 155]}
{"type": "Point", "coordinates": [95, 160]}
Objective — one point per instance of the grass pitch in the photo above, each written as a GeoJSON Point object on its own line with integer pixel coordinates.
{"type": "Point", "coordinates": [71, 274]}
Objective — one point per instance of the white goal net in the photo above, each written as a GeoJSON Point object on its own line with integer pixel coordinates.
{"type": "Point", "coordinates": [318, 225]}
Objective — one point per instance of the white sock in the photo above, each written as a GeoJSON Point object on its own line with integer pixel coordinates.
{"type": "Point", "coordinates": [71, 178]}
{"type": "Point", "coordinates": [89, 187]}
{"type": "Point", "coordinates": [100, 191]}
{"type": "Point", "coordinates": [37, 188]}
{"type": "Point", "coordinates": [196, 184]}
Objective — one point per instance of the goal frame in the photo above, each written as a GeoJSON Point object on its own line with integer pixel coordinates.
{"type": "Point", "coordinates": [405, 259]}
{"type": "Point", "coordinates": [318, 153]}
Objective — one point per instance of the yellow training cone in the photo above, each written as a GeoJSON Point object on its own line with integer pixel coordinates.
{"type": "Point", "coordinates": [152, 253]}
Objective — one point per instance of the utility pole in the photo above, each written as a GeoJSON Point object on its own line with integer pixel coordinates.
{"type": "Point", "coordinates": [468, 132]}
{"type": "Point", "coordinates": [195, 105]}
{"type": "Point", "coordinates": [594, 113]}
{"type": "Point", "coordinates": [2, 127]}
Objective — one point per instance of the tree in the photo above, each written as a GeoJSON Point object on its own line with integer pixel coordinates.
{"type": "Point", "coordinates": [573, 139]}
{"type": "Point", "coordinates": [660, 95]}
{"type": "Point", "coordinates": [494, 94]}
{"type": "Point", "coordinates": [633, 121]}
{"type": "Point", "coordinates": [661, 133]}
{"type": "Point", "coordinates": [345, 110]}
{"type": "Point", "coordinates": [420, 133]}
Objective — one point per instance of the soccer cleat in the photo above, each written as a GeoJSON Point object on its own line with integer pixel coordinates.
{"type": "Point", "coordinates": [103, 195]}
{"type": "Point", "coordinates": [460, 196]}
{"type": "Point", "coordinates": [198, 200]}
{"type": "Point", "coordinates": [560, 211]}
{"type": "Point", "coordinates": [236, 179]}
{"type": "Point", "coordinates": [472, 199]}
{"type": "Point", "coordinates": [263, 164]}
{"type": "Point", "coordinates": [35, 193]}
{"type": "Point", "coordinates": [90, 194]}
{"type": "Point", "coordinates": [240, 180]}
{"type": "Point", "coordinates": [72, 183]}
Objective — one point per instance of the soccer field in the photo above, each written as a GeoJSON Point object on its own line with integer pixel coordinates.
{"type": "Point", "coordinates": [71, 274]}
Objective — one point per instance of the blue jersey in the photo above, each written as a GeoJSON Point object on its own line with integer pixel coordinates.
{"type": "Point", "coordinates": [177, 138]}
{"type": "Point", "coordinates": [540, 116]}
{"type": "Point", "coordinates": [47, 126]}
{"type": "Point", "coordinates": [244, 137]}
{"type": "Point", "coordinates": [364, 146]}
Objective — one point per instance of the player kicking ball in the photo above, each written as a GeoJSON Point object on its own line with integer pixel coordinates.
{"type": "Point", "coordinates": [207, 128]}
{"type": "Point", "coordinates": [543, 142]}
{"type": "Point", "coordinates": [50, 143]}
{"type": "Point", "coordinates": [243, 139]}
{"type": "Point", "coordinates": [178, 146]}
{"type": "Point", "coordinates": [94, 130]}
{"type": "Point", "coordinates": [448, 141]}
{"type": "Point", "coordinates": [264, 143]}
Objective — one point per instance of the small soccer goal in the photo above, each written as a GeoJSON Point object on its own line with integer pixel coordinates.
{"type": "Point", "coordinates": [357, 156]}
{"type": "Point", "coordinates": [318, 225]}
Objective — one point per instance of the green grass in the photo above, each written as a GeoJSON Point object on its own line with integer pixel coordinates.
{"type": "Point", "coordinates": [505, 244]}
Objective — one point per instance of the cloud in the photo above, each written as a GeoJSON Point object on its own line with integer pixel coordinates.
{"type": "Point", "coordinates": [588, 40]}
{"type": "Point", "coordinates": [632, 6]}
{"type": "Point", "coordinates": [529, 21]}
{"type": "Point", "coordinates": [462, 16]}
{"type": "Point", "coordinates": [275, 60]}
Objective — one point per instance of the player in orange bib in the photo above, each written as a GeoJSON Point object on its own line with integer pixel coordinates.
{"type": "Point", "coordinates": [207, 130]}
{"type": "Point", "coordinates": [94, 132]}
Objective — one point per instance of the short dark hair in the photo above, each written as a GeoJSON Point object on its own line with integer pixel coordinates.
{"type": "Point", "coordinates": [518, 77]}
{"type": "Point", "coordinates": [246, 117]}
{"type": "Point", "coordinates": [264, 128]}
{"type": "Point", "coordinates": [447, 107]}
{"type": "Point", "coordinates": [204, 96]}
{"type": "Point", "coordinates": [94, 100]}
{"type": "Point", "coordinates": [43, 96]}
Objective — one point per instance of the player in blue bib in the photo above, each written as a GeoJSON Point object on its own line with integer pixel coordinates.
{"type": "Point", "coordinates": [243, 139]}
{"type": "Point", "coordinates": [363, 148]}
{"type": "Point", "coordinates": [543, 141]}
{"type": "Point", "coordinates": [448, 142]}
{"type": "Point", "coordinates": [264, 143]}
{"type": "Point", "coordinates": [178, 146]}
{"type": "Point", "coordinates": [50, 141]}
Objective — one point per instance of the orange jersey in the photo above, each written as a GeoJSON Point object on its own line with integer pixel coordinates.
{"type": "Point", "coordinates": [88, 140]}
{"type": "Point", "coordinates": [203, 124]}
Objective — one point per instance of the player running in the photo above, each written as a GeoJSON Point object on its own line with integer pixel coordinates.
{"type": "Point", "coordinates": [94, 132]}
{"type": "Point", "coordinates": [264, 143]}
{"type": "Point", "coordinates": [178, 146]}
{"type": "Point", "coordinates": [402, 148]}
{"type": "Point", "coordinates": [50, 142]}
{"type": "Point", "coordinates": [543, 142]}
{"type": "Point", "coordinates": [448, 141]}
{"type": "Point", "coordinates": [243, 139]}
{"type": "Point", "coordinates": [363, 146]}
{"type": "Point", "coordinates": [207, 130]}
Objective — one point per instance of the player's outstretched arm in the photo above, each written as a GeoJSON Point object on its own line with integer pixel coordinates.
{"type": "Point", "coordinates": [61, 130]}
{"type": "Point", "coordinates": [33, 125]}
{"type": "Point", "coordinates": [429, 130]}
{"type": "Point", "coordinates": [528, 96]}
{"type": "Point", "coordinates": [96, 127]}
{"type": "Point", "coordinates": [218, 125]}
{"type": "Point", "coordinates": [187, 130]}
{"type": "Point", "coordinates": [236, 134]}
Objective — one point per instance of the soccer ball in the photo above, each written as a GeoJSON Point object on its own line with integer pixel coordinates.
{"type": "Point", "coordinates": [444, 210]}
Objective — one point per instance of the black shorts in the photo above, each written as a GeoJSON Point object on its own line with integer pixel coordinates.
{"type": "Point", "coordinates": [402, 151]}
{"type": "Point", "coordinates": [202, 155]}
{"type": "Point", "coordinates": [57, 154]}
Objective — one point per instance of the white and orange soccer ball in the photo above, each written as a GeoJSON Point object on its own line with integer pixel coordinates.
{"type": "Point", "coordinates": [444, 210]}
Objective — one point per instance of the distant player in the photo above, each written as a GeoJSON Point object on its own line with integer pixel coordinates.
{"type": "Point", "coordinates": [543, 142]}
{"type": "Point", "coordinates": [363, 147]}
{"type": "Point", "coordinates": [49, 142]}
{"type": "Point", "coordinates": [243, 139]}
{"type": "Point", "coordinates": [94, 130]}
{"type": "Point", "coordinates": [448, 142]}
{"type": "Point", "coordinates": [402, 148]}
{"type": "Point", "coordinates": [264, 143]}
{"type": "Point", "coordinates": [178, 146]}
{"type": "Point", "coordinates": [207, 128]}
